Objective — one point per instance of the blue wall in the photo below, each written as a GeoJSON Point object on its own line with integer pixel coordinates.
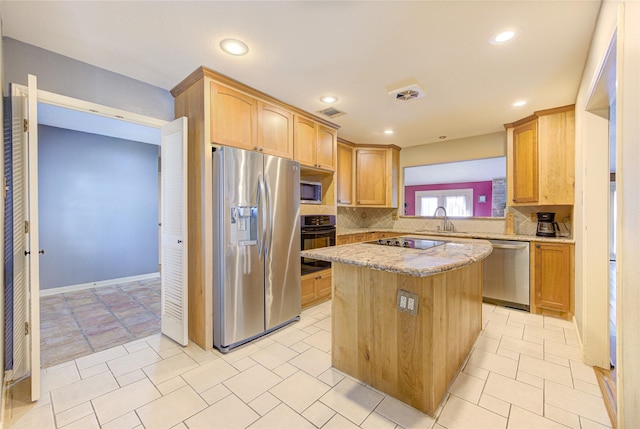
{"type": "Point", "coordinates": [98, 207]}
{"type": "Point", "coordinates": [66, 76]}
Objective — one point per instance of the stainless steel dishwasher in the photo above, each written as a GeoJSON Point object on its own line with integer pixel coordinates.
{"type": "Point", "coordinates": [505, 274]}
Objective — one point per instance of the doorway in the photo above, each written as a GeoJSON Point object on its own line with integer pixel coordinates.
{"type": "Point", "coordinates": [68, 128]}
{"type": "Point", "coordinates": [98, 225]}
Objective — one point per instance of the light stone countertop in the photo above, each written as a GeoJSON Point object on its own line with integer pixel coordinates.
{"type": "Point", "coordinates": [414, 262]}
{"type": "Point", "coordinates": [482, 235]}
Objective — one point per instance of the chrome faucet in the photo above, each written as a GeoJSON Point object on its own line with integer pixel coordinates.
{"type": "Point", "coordinates": [446, 223]}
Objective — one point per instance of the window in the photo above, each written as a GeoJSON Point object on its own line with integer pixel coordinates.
{"type": "Point", "coordinates": [457, 202]}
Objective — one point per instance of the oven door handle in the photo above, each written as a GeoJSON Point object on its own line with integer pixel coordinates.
{"type": "Point", "coordinates": [318, 231]}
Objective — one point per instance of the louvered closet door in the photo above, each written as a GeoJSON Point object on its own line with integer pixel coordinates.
{"type": "Point", "coordinates": [174, 231]}
{"type": "Point", "coordinates": [20, 287]}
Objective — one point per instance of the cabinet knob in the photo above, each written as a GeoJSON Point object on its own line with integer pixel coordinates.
{"type": "Point", "coordinates": [537, 246]}
{"type": "Point", "coordinates": [260, 149]}
{"type": "Point", "coordinates": [255, 148]}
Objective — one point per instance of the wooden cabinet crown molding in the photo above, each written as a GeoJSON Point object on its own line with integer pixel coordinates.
{"type": "Point", "coordinates": [539, 113]}
{"type": "Point", "coordinates": [369, 146]}
{"type": "Point", "coordinates": [202, 72]}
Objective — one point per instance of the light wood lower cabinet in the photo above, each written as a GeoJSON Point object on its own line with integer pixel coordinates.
{"type": "Point", "coordinates": [552, 266]}
{"type": "Point", "coordinates": [413, 358]}
{"type": "Point", "coordinates": [316, 287]}
{"type": "Point", "coordinates": [364, 236]}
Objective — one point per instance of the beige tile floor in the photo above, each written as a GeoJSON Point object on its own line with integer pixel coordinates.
{"type": "Point", "coordinates": [523, 372]}
{"type": "Point", "coordinates": [76, 324]}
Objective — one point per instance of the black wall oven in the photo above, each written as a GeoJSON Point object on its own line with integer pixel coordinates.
{"type": "Point", "coordinates": [316, 231]}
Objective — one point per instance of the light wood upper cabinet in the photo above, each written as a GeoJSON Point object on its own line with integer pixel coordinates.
{"type": "Point", "coordinates": [377, 176]}
{"type": "Point", "coordinates": [234, 119]}
{"type": "Point", "coordinates": [552, 268]}
{"type": "Point", "coordinates": [314, 144]}
{"type": "Point", "coordinates": [241, 121]}
{"type": "Point", "coordinates": [345, 175]}
{"type": "Point", "coordinates": [275, 130]}
{"type": "Point", "coordinates": [326, 148]}
{"type": "Point", "coordinates": [556, 157]}
{"type": "Point", "coordinates": [371, 185]}
{"type": "Point", "coordinates": [305, 141]}
{"type": "Point", "coordinates": [541, 158]}
{"type": "Point", "coordinates": [525, 163]}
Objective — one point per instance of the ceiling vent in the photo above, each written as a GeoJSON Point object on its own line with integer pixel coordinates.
{"type": "Point", "coordinates": [331, 112]}
{"type": "Point", "coordinates": [407, 93]}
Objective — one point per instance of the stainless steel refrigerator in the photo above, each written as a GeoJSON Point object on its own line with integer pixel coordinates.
{"type": "Point", "coordinates": [256, 266]}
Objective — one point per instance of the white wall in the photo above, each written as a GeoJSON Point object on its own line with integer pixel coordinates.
{"type": "Point", "coordinates": [591, 215]}
{"type": "Point", "coordinates": [628, 173]}
{"type": "Point", "coordinates": [484, 146]}
{"type": "Point", "coordinates": [591, 207]}
{"type": "Point", "coordinates": [98, 207]}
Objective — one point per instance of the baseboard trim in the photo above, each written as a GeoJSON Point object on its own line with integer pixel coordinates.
{"type": "Point", "coordinates": [575, 328]}
{"type": "Point", "coordinates": [84, 286]}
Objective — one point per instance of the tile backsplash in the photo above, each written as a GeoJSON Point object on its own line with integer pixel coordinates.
{"type": "Point", "coordinates": [524, 223]}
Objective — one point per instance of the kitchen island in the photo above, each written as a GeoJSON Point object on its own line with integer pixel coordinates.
{"type": "Point", "coordinates": [405, 319]}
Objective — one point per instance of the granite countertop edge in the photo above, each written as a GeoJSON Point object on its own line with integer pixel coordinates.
{"type": "Point", "coordinates": [414, 262]}
{"type": "Point", "coordinates": [481, 235]}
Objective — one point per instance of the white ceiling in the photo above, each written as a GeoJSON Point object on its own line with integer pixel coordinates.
{"type": "Point", "coordinates": [61, 117]}
{"type": "Point", "coordinates": [357, 50]}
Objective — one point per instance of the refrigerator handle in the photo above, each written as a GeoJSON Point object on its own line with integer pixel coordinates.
{"type": "Point", "coordinates": [262, 207]}
{"type": "Point", "coordinates": [269, 226]}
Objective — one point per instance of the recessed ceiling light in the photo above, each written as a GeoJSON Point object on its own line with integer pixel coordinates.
{"type": "Point", "coordinates": [328, 99]}
{"type": "Point", "coordinates": [503, 36]}
{"type": "Point", "coordinates": [388, 131]}
{"type": "Point", "coordinates": [234, 47]}
{"type": "Point", "coordinates": [519, 103]}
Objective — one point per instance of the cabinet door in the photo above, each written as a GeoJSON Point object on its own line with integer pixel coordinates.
{"type": "Point", "coordinates": [525, 163]}
{"type": "Point", "coordinates": [556, 158]}
{"type": "Point", "coordinates": [360, 237]}
{"type": "Point", "coordinates": [343, 239]}
{"type": "Point", "coordinates": [371, 167]}
{"type": "Point", "coordinates": [308, 288]}
{"type": "Point", "coordinates": [326, 148]}
{"type": "Point", "coordinates": [345, 174]}
{"type": "Point", "coordinates": [275, 130]}
{"type": "Point", "coordinates": [552, 265]}
{"type": "Point", "coordinates": [323, 284]}
{"type": "Point", "coordinates": [305, 141]}
{"type": "Point", "coordinates": [233, 118]}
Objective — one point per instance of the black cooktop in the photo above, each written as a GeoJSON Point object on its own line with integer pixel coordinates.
{"type": "Point", "coordinates": [409, 242]}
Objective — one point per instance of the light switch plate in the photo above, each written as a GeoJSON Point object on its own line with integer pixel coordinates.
{"type": "Point", "coordinates": [407, 302]}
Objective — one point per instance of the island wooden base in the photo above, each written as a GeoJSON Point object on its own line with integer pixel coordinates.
{"type": "Point", "coordinates": [412, 358]}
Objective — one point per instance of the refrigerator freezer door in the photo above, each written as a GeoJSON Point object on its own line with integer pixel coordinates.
{"type": "Point", "coordinates": [282, 247]}
{"type": "Point", "coordinates": [238, 294]}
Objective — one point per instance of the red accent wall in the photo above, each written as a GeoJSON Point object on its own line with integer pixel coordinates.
{"type": "Point", "coordinates": [479, 188]}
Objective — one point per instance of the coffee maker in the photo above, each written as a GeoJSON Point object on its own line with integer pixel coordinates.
{"type": "Point", "coordinates": [547, 227]}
